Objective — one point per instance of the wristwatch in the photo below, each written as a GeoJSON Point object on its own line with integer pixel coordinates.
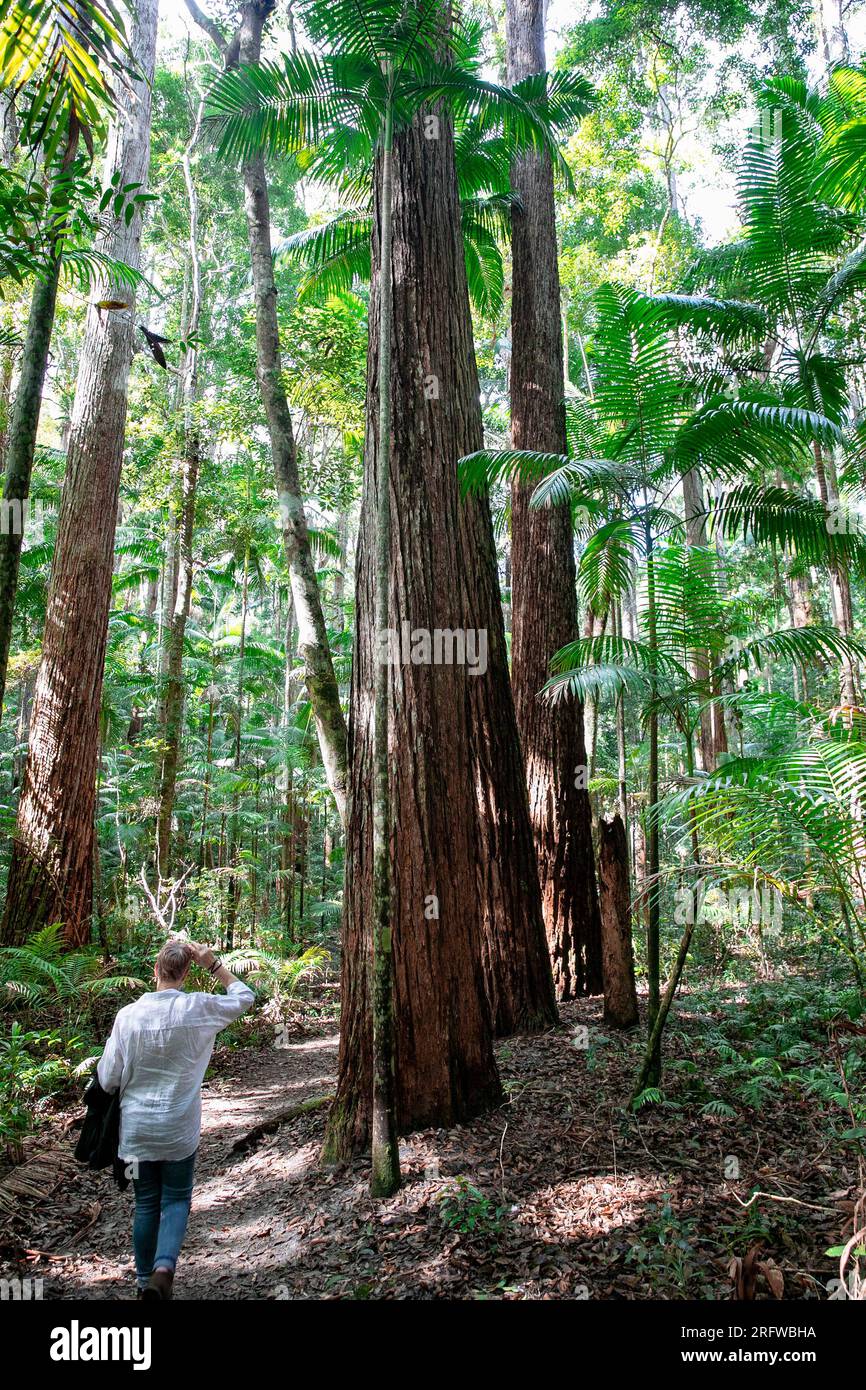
{"type": "Point", "coordinates": [217, 963]}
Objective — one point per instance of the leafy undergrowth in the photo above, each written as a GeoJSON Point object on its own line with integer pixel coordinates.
{"type": "Point", "coordinates": [558, 1194]}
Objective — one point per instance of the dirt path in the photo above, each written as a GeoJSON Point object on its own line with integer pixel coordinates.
{"type": "Point", "coordinates": [231, 1239]}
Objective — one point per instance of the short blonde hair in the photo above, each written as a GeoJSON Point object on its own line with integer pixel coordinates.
{"type": "Point", "coordinates": [174, 959]}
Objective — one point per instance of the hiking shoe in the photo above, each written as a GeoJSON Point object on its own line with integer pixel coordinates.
{"type": "Point", "coordinates": [159, 1285]}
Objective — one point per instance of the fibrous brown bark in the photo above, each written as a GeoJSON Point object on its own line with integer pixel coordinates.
{"type": "Point", "coordinates": [544, 602]}
{"type": "Point", "coordinates": [444, 1065]}
{"type": "Point", "coordinates": [517, 964]}
{"type": "Point", "coordinates": [620, 995]}
{"type": "Point", "coordinates": [51, 873]}
{"type": "Point", "coordinates": [384, 1157]}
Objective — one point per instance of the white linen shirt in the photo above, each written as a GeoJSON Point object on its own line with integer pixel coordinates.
{"type": "Point", "coordinates": [158, 1054]}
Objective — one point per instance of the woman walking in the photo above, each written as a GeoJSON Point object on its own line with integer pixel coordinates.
{"type": "Point", "coordinates": [157, 1056]}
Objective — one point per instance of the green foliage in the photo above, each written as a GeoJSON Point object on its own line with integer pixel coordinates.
{"type": "Point", "coordinates": [64, 54]}
{"type": "Point", "coordinates": [664, 1250]}
{"type": "Point", "coordinates": [464, 1208]}
{"type": "Point", "coordinates": [278, 977]}
{"type": "Point", "coordinates": [43, 973]}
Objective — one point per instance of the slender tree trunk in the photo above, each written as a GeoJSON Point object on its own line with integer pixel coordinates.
{"type": "Point", "coordinates": [340, 575]}
{"type": "Point", "coordinates": [653, 945]}
{"type": "Point", "coordinates": [22, 447]}
{"type": "Point", "coordinates": [8, 129]}
{"type": "Point", "coordinates": [696, 535]}
{"type": "Point", "coordinates": [312, 631]}
{"type": "Point", "coordinates": [173, 693]}
{"type": "Point", "coordinates": [51, 873]}
{"type": "Point", "coordinates": [650, 1072]}
{"type": "Point", "coordinates": [208, 764]}
{"type": "Point", "coordinates": [840, 583]}
{"type": "Point", "coordinates": [6, 371]}
{"type": "Point", "coordinates": [620, 740]}
{"type": "Point", "coordinates": [444, 1066]}
{"type": "Point", "coordinates": [234, 831]}
{"type": "Point", "coordinates": [544, 599]}
{"type": "Point", "coordinates": [171, 714]}
{"type": "Point", "coordinates": [620, 995]}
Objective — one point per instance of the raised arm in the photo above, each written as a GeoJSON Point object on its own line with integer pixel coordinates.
{"type": "Point", "coordinates": [238, 996]}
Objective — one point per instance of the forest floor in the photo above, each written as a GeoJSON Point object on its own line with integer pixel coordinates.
{"type": "Point", "coordinates": [574, 1199]}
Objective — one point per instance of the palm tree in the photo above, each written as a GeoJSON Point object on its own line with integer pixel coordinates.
{"type": "Point", "coordinates": [758, 810]}
{"type": "Point", "coordinates": [802, 260]}
{"type": "Point", "coordinates": [333, 254]}
{"type": "Point", "coordinates": [647, 424]}
{"type": "Point", "coordinates": [65, 53]}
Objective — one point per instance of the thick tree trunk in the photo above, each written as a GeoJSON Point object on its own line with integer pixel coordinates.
{"type": "Point", "coordinates": [385, 1162]}
{"type": "Point", "coordinates": [517, 966]}
{"type": "Point", "coordinates": [51, 873]}
{"type": "Point", "coordinates": [312, 632]}
{"type": "Point", "coordinates": [620, 995]}
{"type": "Point", "coordinates": [444, 1066]}
{"type": "Point", "coordinates": [544, 601]}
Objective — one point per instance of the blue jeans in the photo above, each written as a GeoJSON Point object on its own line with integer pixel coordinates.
{"type": "Point", "coordinates": [163, 1192]}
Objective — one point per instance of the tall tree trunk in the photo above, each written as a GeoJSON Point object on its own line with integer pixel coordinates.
{"type": "Point", "coordinates": [7, 367]}
{"type": "Point", "coordinates": [171, 713]}
{"type": "Point", "coordinates": [19, 438]}
{"type": "Point", "coordinates": [840, 583]}
{"type": "Point", "coordinates": [653, 902]}
{"type": "Point", "coordinates": [312, 632]}
{"type": "Point", "coordinates": [385, 1169]}
{"type": "Point", "coordinates": [51, 873]}
{"type": "Point", "coordinates": [544, 600]}
{"type": "Point", "coordinates": [696, 535]}
{"type": "Point", "coordinates": [235, 833]}
{"type": "Point", "coordinates": [517, 965]}
{"type": "Point", "coordinates": [444, 1066]}
{"type": "Point", "coordinates": [22, 447]}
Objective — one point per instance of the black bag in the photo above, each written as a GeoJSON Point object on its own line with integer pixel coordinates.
{"type": "Point", "coordinates": [99, 1139]}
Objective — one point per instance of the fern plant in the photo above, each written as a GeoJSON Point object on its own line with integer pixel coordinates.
{"type": "Point", "coordinates": [42, 972]}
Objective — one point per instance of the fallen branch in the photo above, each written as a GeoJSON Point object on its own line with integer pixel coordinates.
{"type": "Point", "coordinates": [774, 1197]}
{"type": "Point", "coordinates": [260, 1131]}
{"type": "Point", "coordinates": [96, 1212]}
